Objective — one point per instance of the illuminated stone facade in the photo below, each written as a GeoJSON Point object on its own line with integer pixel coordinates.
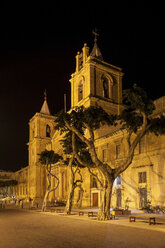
{"type": "Point", "coordinates": [144, 180]}
{"type": "Point", "coordinates": [97, 83]}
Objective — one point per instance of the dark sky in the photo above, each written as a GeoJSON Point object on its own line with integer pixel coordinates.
{"type": "Point", "coordinates": [38, 44]}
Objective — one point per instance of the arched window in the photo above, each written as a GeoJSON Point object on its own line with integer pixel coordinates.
{"type": "Point", "coordinates": [80, 91]}
{"type": "Point", "coordinates": [93, 182]}
{"type": "Point", "coordinates": [117, 181]}
{"type": "Point", "coordinates": [106, 87]}
{"type": "Point", "coordinates": [47, 131]}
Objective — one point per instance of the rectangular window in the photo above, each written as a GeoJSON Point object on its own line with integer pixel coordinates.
{"type": "Point", "coordinates": [142, 177]}
{"type": "Point", "coordinates": [93, 182]}
{"type": "Point", "coordinates": [104, 155]}
{"type": "Point", "coordinates": [117, 151]}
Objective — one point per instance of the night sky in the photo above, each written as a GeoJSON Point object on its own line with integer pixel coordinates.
{"type": "Point", "coordinates": [38, 45]}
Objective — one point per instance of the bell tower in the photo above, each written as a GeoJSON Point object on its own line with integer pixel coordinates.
{"type": "Point", "coordinates": [41, 130]}
{"type": "Point", "coordinates": [96, 82]}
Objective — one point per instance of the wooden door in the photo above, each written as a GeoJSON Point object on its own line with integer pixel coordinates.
{"type": "Point", "coordinates": [95, 199]}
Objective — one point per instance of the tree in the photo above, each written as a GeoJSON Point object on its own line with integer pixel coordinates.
{"type": "Point", "coordinates": [136, 120]}
{"type": "Point", "coordinates": [74, 183]}
{"type": "Point", "coordinates": [4, 184]}
{"type": "Point", "coordinates": [7, 183]}
{"type": "Point", "coordinates": [48, 158]}
{"type": "Point", "coordinates": [68, 142]}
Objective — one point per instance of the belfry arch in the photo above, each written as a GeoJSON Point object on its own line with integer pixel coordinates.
{"type": "Point", "coordinates": [81, 88]}
{"type": "Point", "coordinates": [107, 86]}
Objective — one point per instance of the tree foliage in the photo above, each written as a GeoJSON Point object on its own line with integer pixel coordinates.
{"type": "Point", "coordinates": [137, 107]}
{"type": "Point", "coordinates": [136, 118]}
{"type": "Point", "coordinates": [94, 117]}
{"type": "Point", "coordinates": [136, 99]}
{"type": "Point", "coordinates": [8, 183]}
{"type": "Point", "coordinates": [49, 157]}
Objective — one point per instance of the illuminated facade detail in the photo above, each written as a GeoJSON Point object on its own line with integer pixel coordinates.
{"type": "Point", "coordinates": [97, 83]}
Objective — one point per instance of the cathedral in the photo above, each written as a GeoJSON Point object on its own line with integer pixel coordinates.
{"type": "Point", "coordinates": [95, 83]}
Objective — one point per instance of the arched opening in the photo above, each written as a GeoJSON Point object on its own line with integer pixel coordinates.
{"type": "Point", "coordinates": [105, 87]}
{"type": "Point", "coordinates": [80, 91]}
{"type": "Point", "coordinates": [117, 181]}
{"type": "Point", "coordinates": [47, 131]}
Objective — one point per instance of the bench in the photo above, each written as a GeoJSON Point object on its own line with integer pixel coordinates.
{"type": "Point", "coordinates": [90, 213]}
{"type": "Point", "coordinates": [52, 209]}
{"type": "Point", "coordinates": [81, 213]}
{"type": "Point", "coordinates": [58, 210]}
{"type": "Point", "coordinates": [151, 220]}
{"type": "Point", "coordinates": [32, 208]}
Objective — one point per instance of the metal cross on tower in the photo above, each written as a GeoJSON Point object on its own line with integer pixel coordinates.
{"type": "Point", "coordinates": [95, 32]}
{"type": "Point", "coordinates": [45, 95]}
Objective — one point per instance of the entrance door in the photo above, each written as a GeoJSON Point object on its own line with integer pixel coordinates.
{"type": "Point", "coordinates": [118, 198]}
{"type": "Point", "coordinates": [95, 199]}
{"type": "Point", "coordinates": [143, 197]}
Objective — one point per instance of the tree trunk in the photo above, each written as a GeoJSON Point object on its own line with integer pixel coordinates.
{"type": "Point", "coordinates": [68, 206]}
{"type": "Point", "coordinates": [69, 203]}
{"type": "Point", "coordinates": [104, 209]}
{"type": "Point", "coordinates": [79, 201]}
{"type": "Point", "coordinates": [48, 190]}
{"type": "Point", "coordinates": [44, 205]}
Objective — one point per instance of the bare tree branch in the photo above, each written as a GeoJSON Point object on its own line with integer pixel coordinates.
{"type": "Point", "coordinates": [90, 131]}
{"type": "Point", "coordinates": [75, 130]}
{"type": "Point", "coordinates": [95, 175]}
{"type": "Point", "coordinates": [132, 146]}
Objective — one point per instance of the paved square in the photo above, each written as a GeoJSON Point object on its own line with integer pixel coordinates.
{"type": "Point", "coordinates": [30, 229]}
